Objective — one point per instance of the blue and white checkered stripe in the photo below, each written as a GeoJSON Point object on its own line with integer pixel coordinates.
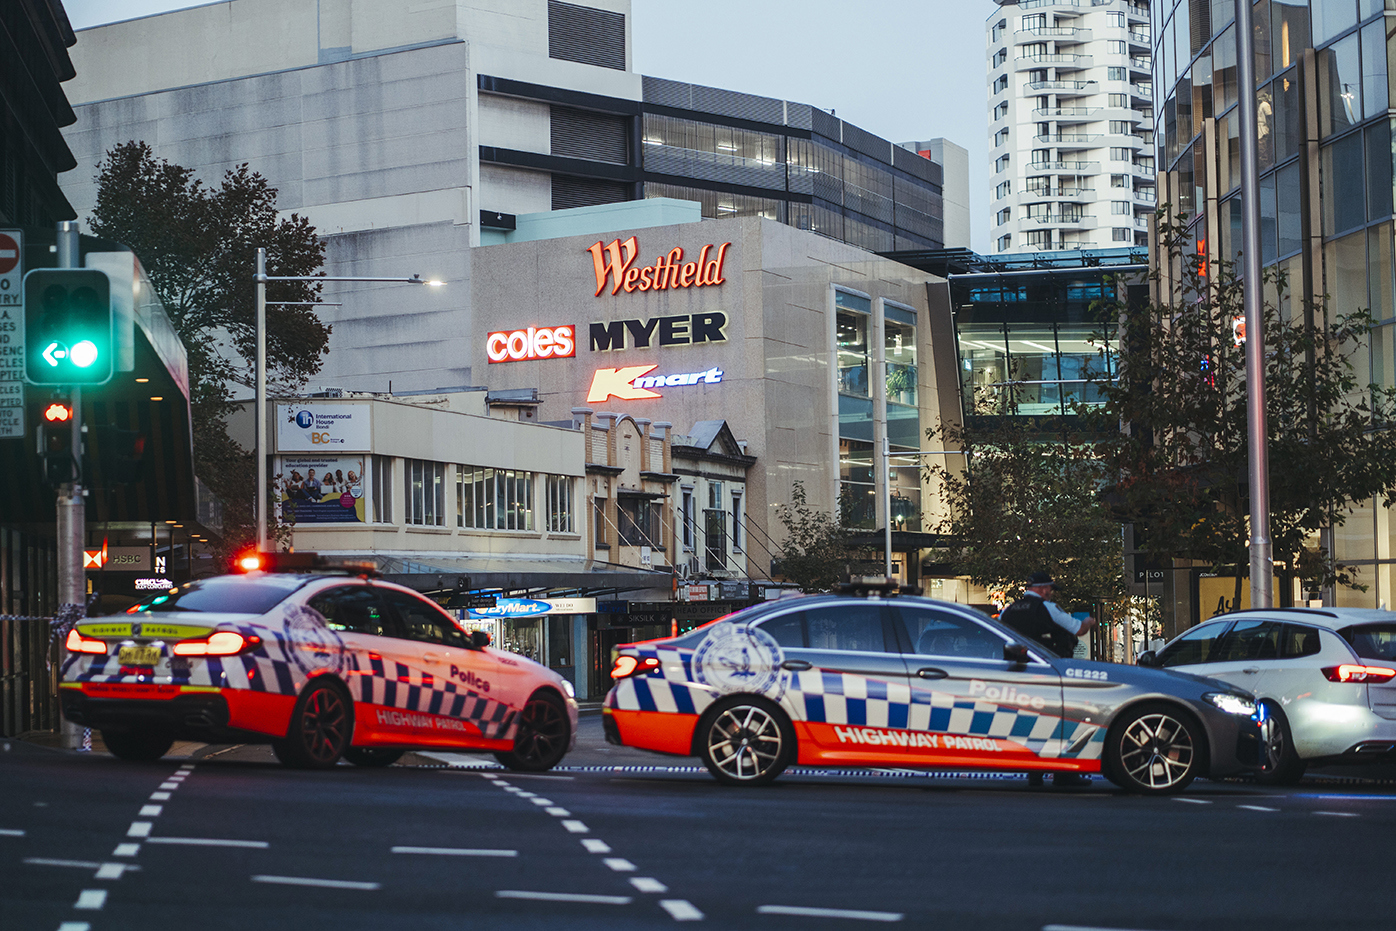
{"type": "Point", "coordinates": [408, 689]}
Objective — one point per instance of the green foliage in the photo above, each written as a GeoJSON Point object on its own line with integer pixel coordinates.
{"type": "Point", "coordinates": [817, 552]}
{"type": "Point", "coordinates": [198, 246]}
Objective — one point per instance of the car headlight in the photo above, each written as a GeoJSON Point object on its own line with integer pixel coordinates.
{"type": "Point", "coordinates": [567, 687]}
{"type": "Point", "coordinates": [1232, 703]}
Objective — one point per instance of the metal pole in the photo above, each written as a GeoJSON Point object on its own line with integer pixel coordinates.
{"type": "Point", "coordinates": [1262, 557]}
{"type": "Point", "coordinates": [71, 506]}
{"type": "Point", "coordinates": [887, 499]}
{"type": "Point", "coordinates": [260, 402]}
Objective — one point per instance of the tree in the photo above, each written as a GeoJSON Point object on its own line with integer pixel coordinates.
{"type": "Point", "coordinates": [198, 245]}
{"type": "Point", "coordinates": [817, 552]}
{"type": "Point", "coordinates": [1178, 468]}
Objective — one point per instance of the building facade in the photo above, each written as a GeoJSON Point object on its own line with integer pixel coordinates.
{"type": "Point", "coordinates": [1071, 124]}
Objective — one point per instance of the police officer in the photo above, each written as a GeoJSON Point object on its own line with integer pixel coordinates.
{"type": "Point", "coordinates": [1038, 618]}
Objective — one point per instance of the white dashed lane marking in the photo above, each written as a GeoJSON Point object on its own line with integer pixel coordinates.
{"type": "Point", "coordinates": [49, 861]}
{"type": "Point", "coordinates": [1193, 801]}
{"type": "Point", "coordinates": [91, 899]}
{"type": "Point", "coordinates": [169, 785]}
{"type": "Point", "coordinates": [558, 812]}
{"type": "Point", "coordinates": [1338, 814]}
{"type": "Point", "coordinates": [1256, 808]}
{"type": "Point", "coordinates": [576, 827]}
{"type": "Point", "coordinates": [139, 829]}
{"type": "Point", "coordinates": [114, 870]}
{"type": "Point", "coordinates": [648, 884]}
{"type": "Point", "coordinates": [159, 796]}
{"type": "Point", "coordinates": [75, 926]}
{"type": "Point", "coordinates": [208, 842]}
{"type": "Point", "coordinates": [681, 909]}
{"type": "Point", "coordinates": [151, 811]}
{"type": "Point", "coordinates": [619, 864]}
{"type": "Point", "coordinates": [848, 913]}
{"type": "Point", "coordinates": [540, 802]}
{"type": "Point", "coordinates": [11, 832]}
{"type": "Point", "coordinates": [564, 897]}
{"type": "Point", "coordinates": [319, 883]}
{"type": "Point", "coordinates": [456, 851]}
{"type": "Point", "coordinates": [126, 850]}
{"type": "Point", "coordinates": [595, 845]}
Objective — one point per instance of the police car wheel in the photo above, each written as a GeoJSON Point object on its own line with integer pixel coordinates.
{"type": "Point", "coordinates": [372, 756]}
{"type": "Point", "coordinates": [541, 740]}
{"type": "Point", "coordinates": [746, 742]}
{"type": "Point", "coordinates": [1282, 765]}
{"type": "Point", "coordinates": [1153, 750]}
{"type": "Point", "coordinates": [140, 747]}
{"type": "Point", "coordinates": [321, 724]}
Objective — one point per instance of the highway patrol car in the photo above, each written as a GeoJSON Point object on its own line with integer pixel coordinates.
{"type": "Point", "coordinates": [319, 666]}
{"type": "Point", "coordinates": [913, 682]}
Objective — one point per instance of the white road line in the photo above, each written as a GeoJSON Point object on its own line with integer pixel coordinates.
{"type": "Point", "coordinates": [320, 883]}
{"type": "Point", "coordinates": [1338, 814]}
{"type": "Point", "coordinates": [576, 827]}
{"type": "Point", "coordinates": [1081, 928]}
{"type": "Point", "coordinates": [1193, 801]}
{"type": "Point", "coordinates": [595, 845]}
{"type": "Point", "coordinates": [620, 864]}
{"type": "Point", "coordinates": [681, 909]}
{"type": "Point", "coordinates": [208, 842]}
{"type": "Point", "coordinates": [541, 801]}
{"type": "Point", "coordinates": [851, 913]}
{"type": "Point", "coordinates": [456, 851]}
{"type": "Point", "coordinates": [187, 768]}
{"type": "Point", "coordinates": [1256, 808]}
{"type": "Point", "coordinates": [489, 776]}
{"type": "Point", "coordinates": [558, 812]}
{"type": "Point", "coordinates": [47, 861]}
{"type": "Point", "coordinates": [169, 785]}
{"type": "Point", "coordinates": [75, 926]}
{"type": "Point", "coordinates": [126, 850]}
{"type": "Point", "coordinates": [564, 897]}
{"type": "Point", "coordinates": [91, 899]}
{"type": "Point", "coordinates": [114, 870]}
{"type": "Point", "coordinates": [151, 811]}
{"type": "Point", "coordinates": [11, 832]}
{"type": "Point", "coordinates": [159, 796]}
{"type": "Point", "coordinates": [647, 884]}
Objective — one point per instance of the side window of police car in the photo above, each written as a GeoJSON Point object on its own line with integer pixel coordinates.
{"type": "Point", "coordinates": [854, 626]}
{"type": "Point", "coordinates": [941, 633]}
{"type": "Point", "coordinates": [354, 609]}
{"type": "Point", "coordinates": [421, 620]}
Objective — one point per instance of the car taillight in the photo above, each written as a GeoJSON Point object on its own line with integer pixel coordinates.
{"type": "Point", "coordinates": [77, 643]}
{"type": "Point", "coordinates": [627, 666]}
{"type": "Point", "coordinates": [219, 643]}
{"type": "Point", "coordinates": [1350, 672]}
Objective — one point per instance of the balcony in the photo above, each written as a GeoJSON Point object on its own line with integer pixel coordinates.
{"type": "Point", "coordinates": [1141, 63]}
{"type": "Point", "coordinates": [1059, 168]}
{"type": "Point", "coordinates": [1038, 4]}
{"type": "Point", "coordinates": [1141, 223]}
{"type": "Point", "coordinates": [1144, 171]}
{"type": "Point", "coordinates": [1064, 221]}
{"type": "Point", "coordinates": [1145, 196]}
{"type": "Point", "coordinates": [1141, 37]}
{"type": "Point", "coordinates": [1060, 62]}
{"type": "Point", "coordinates": [1145, 91]}
{"type": "Point", "coordinates": [1137, 11]}
{"type": "Point", "coordinates": [1069, 195]}
{"type": "Point", "coordinates": [1068, 114]}
{"type": "Point", "coordinates": [1064, 35]}
{"type": "Point", "coordinates": [1066, 88]}
{"type": "Point", "coordinates": [1069, 141]}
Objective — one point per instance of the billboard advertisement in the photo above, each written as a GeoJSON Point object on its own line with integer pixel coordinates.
{"type": "Point", "coordinates": [321, 489]}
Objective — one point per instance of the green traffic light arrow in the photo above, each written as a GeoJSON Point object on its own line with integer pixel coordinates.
{"type": "Point", "coordinates": [53, 352]}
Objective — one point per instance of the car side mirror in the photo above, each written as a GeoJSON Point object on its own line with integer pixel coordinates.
{"type": "Point", "coordinates": [479, 639]}
{"type": "Point", "coordinates": [1016, 653]}
{"type": "Point", "coordinates": [1147, 658]}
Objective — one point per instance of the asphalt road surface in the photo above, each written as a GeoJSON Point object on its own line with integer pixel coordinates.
{"type": "Point", "coordinates": [227, 838]}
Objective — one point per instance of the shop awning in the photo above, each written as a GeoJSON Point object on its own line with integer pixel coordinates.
{"type": "Point", "coordinates": [432, 571]}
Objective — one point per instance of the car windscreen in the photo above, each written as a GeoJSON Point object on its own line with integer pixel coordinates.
{"type": "Point", "coordinates": [1372, 641]}
{"type": "Point", "coordinates": [228, 594]}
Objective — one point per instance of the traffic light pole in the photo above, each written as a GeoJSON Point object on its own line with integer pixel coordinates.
{"type": "Point", "coordinates": [72, 507]}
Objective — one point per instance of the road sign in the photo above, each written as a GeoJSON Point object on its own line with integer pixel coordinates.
{"type": "Point", "coordinates": [11, 334]}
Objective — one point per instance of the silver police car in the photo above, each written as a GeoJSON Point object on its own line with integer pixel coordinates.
{"type": "Point", "coordinates": [877, 679]}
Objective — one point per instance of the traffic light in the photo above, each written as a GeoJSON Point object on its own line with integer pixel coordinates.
{"type": "Point", "coordinates": [67, 327]}
{"type": "Point", "coordinates": [56, 443]}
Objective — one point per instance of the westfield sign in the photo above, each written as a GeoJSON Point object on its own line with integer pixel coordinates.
{"type": "Point", "coordinates": [616, 263]}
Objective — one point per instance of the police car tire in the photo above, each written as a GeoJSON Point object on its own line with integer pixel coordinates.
{"type": "Point", "coordinates": [1115, 767]}
{"type": "Point", "coordinates": [137, 747]}
{"type": "Point", "coordinates": [534, 753]}
{"type": "Point", "coordinates": [372, 756]}
{"type": "Point", "coordinates": [1290, 768]}
{"type": "Point", "coordinates": [738, 706]}
{"type": "Point", "coordinates": [318, 699]}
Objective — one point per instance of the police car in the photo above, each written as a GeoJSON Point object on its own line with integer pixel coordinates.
{"type": "Point", "coordinates": [320, 665]}
{"type": "Point", "coordinates": [874, 678]}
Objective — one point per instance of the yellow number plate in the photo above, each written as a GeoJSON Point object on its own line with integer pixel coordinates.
{"type": "Point", "coordinates": [139, 656]}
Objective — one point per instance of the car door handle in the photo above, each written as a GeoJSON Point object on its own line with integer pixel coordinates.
{"type": "Point", "coordinates": [930, 672]}
{"type": "Point", "coordinates": [1251, 670]}
{"type": "Point", "coordinates": [796, 665]}
{"type": "Point", "coordinates": [433, 657]}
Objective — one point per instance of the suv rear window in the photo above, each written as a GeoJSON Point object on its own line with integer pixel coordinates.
{"type": "Point", "coordinates": [226, 594]}
{"type": "Point", "coordinates": [1372, 641]}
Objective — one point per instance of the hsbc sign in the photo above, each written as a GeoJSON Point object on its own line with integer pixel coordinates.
{"type": "Point", "coordinates": [558, 342]}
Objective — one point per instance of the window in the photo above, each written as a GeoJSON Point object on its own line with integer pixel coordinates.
{"type": "Point", "coordinates": [494, 499]}
{"type": "Point", "coordinates": [1340, 86]}
{"type": "Point", "coordinates": [851, 325]}
{"type": "Point", "coordinates": [1001, 110]}
{"type": "Point", "coordinates": [1121, 208]}
{"type": "Point", "coordinates": [1115, 20]}
{"type": "Point", "coordinates": [1116, 74]}
{"type": "Point", "coordinates": [1001, 164]}
{"type": "Point", "coordinates": [1248, 640]}
{"type": "Point", "coordinates": [997, 32]}
{"type": "Point", "coordinates": [1372, 641]}
{"type": "Point", "coordinates": [1034, 50]}
{"type": "Point", "coordinates": [382, 497]}
{"type": "Point", "coordinates": [788, 630]}
{"type": "Point", "coordinates": [736, 521]}
{"type": "Point", "coordinates": [899, 351]}
{"type": "Point", "coordinates": [1003, 216]}
{"type": "Point", "coordinates": [352, 609]}
{"type": "Point", "coordinates": [1000, 57]}
{"type": "Point", "coordinates": [1119, 180]}
{"type": "Point", "coordinates": [1119, 100]}
{"type": "Point", "coordinates": [715, 529]}
{"type": "Point", "coordinates": [1115, 47]}
{"type": "Point", "coordinates": [856, 625]}
{"type": "Point", "coordinates": [1121, 127]}
{"type": "Point", "coordinates": [424, 487]}
{"type": "Point", "coordinates": [1121, 235]}
{"type": "Point", "coordinates": [686, 517]}
{"type": "Point", "coordinates": [637, 522]}
{"type": "Point", "coordinates": [1034, 21]}
{"type": "Point", "coordinates": [1041, 239]}
{"type": "Point", "coordinates": [598, 521]}
{"type": "Point", "coordinates": [1005, 242]}
{"type": "Point", "coordinates": [1003, 190]}
{"type": "Point", "coordinates": [1198, 645]}
{"type": "Point", "coordinates": [1001, 136]}
{"type": "Point", "coordinates": [1297, 640]}
{"type": "Point", "coordinates": [1000, 83]}
{"type": "Point", "coordinates": [935, 633]}
{"type": "Point", "coordinates": [1121, 154]}
{"type": "Point", "coordinates": [422, 620]}
{"type": "Point", "coordinates": [559, 507]}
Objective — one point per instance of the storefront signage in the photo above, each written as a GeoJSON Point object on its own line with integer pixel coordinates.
{"type": "Point", "coordinates": [323, 428]}
{"type": "Point", "coordinates": [535, 607]}
{"type": "Point", "coordinates": [558, 342]}
{"type": "Point", "coordinates": [616, 263]}
{"type": "Point", "coordinates": [320, 489]}
{"type": "Point", "coordinates": [678, 330]}
{"type": "Point", "coordinates": [153, 585]}
{"type": "Point", "coordinates": [118, 559]}
{"type": "Point", "coordinates": [632, 383]}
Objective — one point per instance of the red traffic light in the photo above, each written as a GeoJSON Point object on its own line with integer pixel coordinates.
{"type": "Point", "coordinates": [58, 413]}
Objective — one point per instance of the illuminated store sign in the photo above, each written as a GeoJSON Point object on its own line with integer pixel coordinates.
{"type": "Point", "coordinates": [632, 383]}
{"type": "Point", "coordinates": [558, 342]}
{"type": "Point", "coordinates": [679, 330]}
{"type": "Point", "coordinates": [617, 263]}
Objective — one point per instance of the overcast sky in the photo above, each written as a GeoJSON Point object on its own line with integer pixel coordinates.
{"type": "Point", "coordinates": [903, 69]}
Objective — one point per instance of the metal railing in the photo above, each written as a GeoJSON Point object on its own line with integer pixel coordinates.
{"type": "Point", "coordinates": [29, 658]}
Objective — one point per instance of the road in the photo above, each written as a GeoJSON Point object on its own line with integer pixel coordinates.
{"type": "Point", "coordinates": [616, 839]}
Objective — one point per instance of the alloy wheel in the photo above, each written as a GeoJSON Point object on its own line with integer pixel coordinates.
{"type": "Point", "coordinates": [1157, 752]}
{"type": "Point", "coordinates": [542, 733]}
{"type": "Point", "coordinates": [323, 726]}
{"type": "Point", "coordinates": [745, 742]}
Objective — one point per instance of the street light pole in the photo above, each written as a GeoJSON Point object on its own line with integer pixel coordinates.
{"type": "Point", "coordinates": [260, 390]}
{"type": "Point", "coordinates": [1262, 556]}
{"type": "Point", "coordinates": [887, 455]}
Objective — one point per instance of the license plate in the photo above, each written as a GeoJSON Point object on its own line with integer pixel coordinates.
{"type": "Point", "coordinates": [138, 656]}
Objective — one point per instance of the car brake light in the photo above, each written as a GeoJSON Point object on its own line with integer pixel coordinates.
{"type": "Point", "coordinates": [1350, 672]}
{"type": "Point", "coordinates": [77, 643]}
{"type": "Point", "coordinates": [219, 643]}
{"type": "Point", "coordinates": [627, 666]}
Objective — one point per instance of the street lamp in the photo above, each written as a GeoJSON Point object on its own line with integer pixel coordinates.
{"type": "Point", "coordinates": [887, 455]}
{"type": "Point", "coordinates": [260, 401]}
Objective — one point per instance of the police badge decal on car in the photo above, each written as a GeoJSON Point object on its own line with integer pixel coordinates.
{"type": "Point", "coordinates": [740, 658]}
{"type": "Point", "coordinates": [309, 643]}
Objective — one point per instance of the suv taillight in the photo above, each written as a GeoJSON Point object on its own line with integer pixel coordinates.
{"type": "Point", "coordinates": [77, 643]}
{"type": "Point", "coordinates": [1350, 672]}
{"type": "Point", "coordinates": [218, 643]}
{"type": "Point", "coordinates": [627, 666]}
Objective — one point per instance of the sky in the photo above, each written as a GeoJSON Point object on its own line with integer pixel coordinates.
{"type": "Point", "coordinates": [903, 69]}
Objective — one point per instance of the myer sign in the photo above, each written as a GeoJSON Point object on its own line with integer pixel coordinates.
{"type": "Point", "coordinates": [319, 428]}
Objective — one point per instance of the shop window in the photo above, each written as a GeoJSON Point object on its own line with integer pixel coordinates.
{"type": "Point", "coordinates": [560, 508]}
{"type": "Point", "coordinates": [382, 495]}
{"type": "Point", "coordinates": [494, 499]}
{"type": "Point", "coordinates": [424, 486]}
{"type": "Point", "coordinates": [851, 325]}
